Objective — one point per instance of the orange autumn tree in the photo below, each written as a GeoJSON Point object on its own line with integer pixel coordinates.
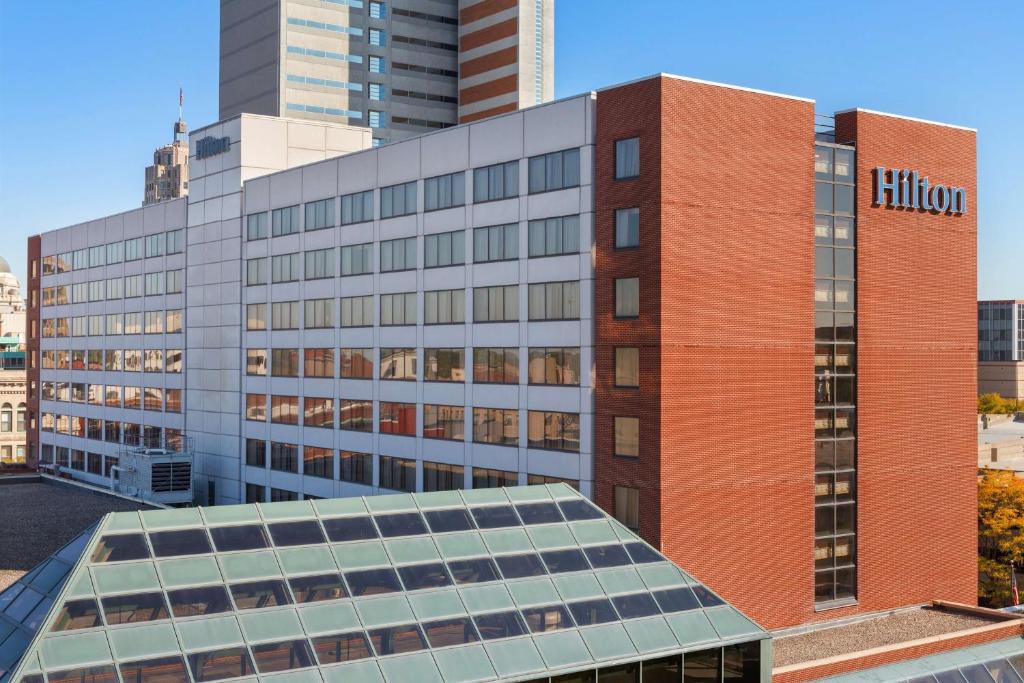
{"type": "Point", "coordinates": [1000, 535]}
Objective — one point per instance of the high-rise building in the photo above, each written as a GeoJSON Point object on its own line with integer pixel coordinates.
{"type": "Point", "coordinates": [1001, 348]}
{"type": "Point", "coordinates": [13, 432]}
{"type": "Point", "coordinates": [399, 67]}
{"type": "Point", "coordinates": [167, 178]}
{"type": "Point", "coordinates": [667, 293]}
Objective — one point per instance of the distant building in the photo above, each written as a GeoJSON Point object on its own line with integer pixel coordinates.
{"type": "Point", "coordinates": [1001, 348]}
{"type": "Point", "coordinates": [167, 178]}
{"type": "Point", "coordinates": [402, 68]}
{"type": "Point", "coordinates": [12, 369]}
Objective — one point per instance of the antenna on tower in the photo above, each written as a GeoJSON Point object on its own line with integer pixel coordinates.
{"type": "Point", "coordinates": [181, 100]}
{"type": "Point", "coordinates": [180, 129]}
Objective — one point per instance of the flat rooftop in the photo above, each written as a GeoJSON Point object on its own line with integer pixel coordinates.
{"type": "Point", "coordinates": [39, 515]}
{"type": "Point", "coordinates": [1000, 433]}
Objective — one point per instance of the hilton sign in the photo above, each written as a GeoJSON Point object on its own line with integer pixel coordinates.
{"type": "Point", "coordinates": [211, 146]}
{"type": "Point", "coordinates": [907, 190]}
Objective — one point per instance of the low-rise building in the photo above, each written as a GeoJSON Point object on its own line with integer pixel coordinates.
{"type": "Point", "coordinates": [1001, 348]}
{"type": "Point", "coordinates": [13, 431]}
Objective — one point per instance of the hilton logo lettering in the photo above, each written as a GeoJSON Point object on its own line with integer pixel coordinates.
{"type": "Point", "coordinates": [907, 190]}
{"type": "Point", "coordinates": [211, 146]}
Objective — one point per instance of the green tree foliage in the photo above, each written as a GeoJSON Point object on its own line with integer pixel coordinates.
{"type": "Point", "coordinates": [1000, 535]}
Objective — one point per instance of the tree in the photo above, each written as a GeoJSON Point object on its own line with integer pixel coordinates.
{"type": "Point", "coordinates": [994, 404]}
{"type": "Point", "coordinates": [1000, 534]}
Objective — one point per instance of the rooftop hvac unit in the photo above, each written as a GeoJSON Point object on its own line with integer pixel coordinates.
{"type": "Point", "coordinates": [155, 474]}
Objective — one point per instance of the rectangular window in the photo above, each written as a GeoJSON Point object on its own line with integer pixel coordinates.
{"type": "Point", "coordinates": [357, 207]}
{"type": "Point", "coordinates": [398, 200]}
{"type": "Point", "coordinates": [284, 410]}
{"type": "Point", "coordinates": [375, 91]}
{"type": "Point", "coordinates": [444, 249]}
{"type": "Point", "coordinates": [554, 431]}
{"type": "Point", "coordinates": [318, 363]}
{"type": "Point", "coordinates": [496, 304]}
{"type": "Point", "coordinates": [560, 365]}
{"type": "Point", "coordinates": [153, 399]}
{"type": "Point", "coordinates": [398, 309]}
{"type": "Point", "coordinates": [318, 462]}
{"type": "Point", "coordinates": [627, 158]}
{"type": "Point", "coordinates": [320, 214]}
{"type": "Point", "coordinates": [555, 301]}
{"type": "Point", "coordinates": [154, 245]}
{"type": "Point", "coordinates": [174, 321]}
{"type": "Point", "coordinates": [284, 268]}
{"type": "Point", "coordinates": [627, 228]}
{"type": "Point", "coordinates": [357, 259]}
{"type": "Point", "coordinates": [627, 507]}
{"type": "Point", "coordinates": [154, 322]}
{"type": "Point", "coordinates": [133, 249]}
{"type": "Point", "coordinates": [319, 313]}
{"type": "Point", "coordinates": [154, 284]}
{"type": "Point", "coordinates": [444, 422]}
{"type": "Point", "coordinates": [444, 307]}
{"type": "Point", "coordinates": [285, 315]}
{"type": "Point", "coordinates": [255, 452]}
{"type": "Point", "coordinates": [496, 426]}
{"type": "Point", "coordinates": [132, 286]}
{"type": "Point", "coordinates": [256, 362]}
{"type": "Point", "coordinates": [95, 325]}
{"type": "Point", "coordinates": [357, 311]}
{"type": "Point", "coordinates": [115, 253]}
{"type": "Point", "coordinates": [444, 365]}
{"type": "Point", "coordinates": [284, 457]}
{"type": "Point", "coordinates": [496, 243]}
{"type": "Point", "coordinates": [398, 474]}
{"type": "Point", "coordinates": [377, 10]}
{"type": "Point", "coordinates": [399, 364]}
{"type": "Point", "coordinates": [319, 264]}
{"type": "Point", "coordinates": [356, 363]}
{"type": "Point", "coordinates": [377, 119]}
{"type": "Point", "coordinates": [255, 407]}
{"type": "Point", "coordinates": [499, 181]}
{"type": "Point", "coordinates": [318, 412]}
{"type": "Point", "coordinates": [444, 191]}
{"type": "Point", "coordinates": [554, 236]}
{"type": "Point", "coordinates": [376, 37]}
{"type": "Point", "coordinates": [356, 468]}
{"type": "Point", "coordinates": [554, 171]}
{"type": "Point", "coordinates": [439, 476]}
{"type": "Point", "coordinates": [112, 360]}
{"type": "Point", "coordinates": [285, 221]}
{"type": "Point", "coordinates": [280, 496]}
{"type": "Point", "coordinates": [256, 226]}
{"type": "Point", "coordinates": [255, 316]}
{"type": "Point", "coordinates": [397, 418]}
{"type": "Point", "coordinates": [486, 478]}
{"type": "Point", "coordinates": [627, 437]}
{"type": "Point", "coordinates": [175, 281]}
{"type": "Point", "coordinates": [627, 297]}
{"type": "Point", "coordinates": [256, 271]}
{"type": "Point", "coordinates": [173, 398]}
{"type": "Point", "coordinates": [175, 241]}
{"type": "Point", "coordinates": [132, 360]}
{"type": "Point", "coordinates": [355, 415]}
{"type": "Point", "coordinates": [496, 365]}
{"type": "Point", "coordinates": [96, 256]}
{"type": "Point", "coordinates": [154, 360]}
{"type": "Point", "coordinates": [398, 254]}
{"type": "Point", "coordinates": [96, 290]}
{"type": "Point", "coordinates": [627, 366]}
{"type": "Point", "coordinates": [284, 362]}
{"type": "Point", "coordinates": [173, 360]}
{"type": "Point", "coordinates": [375, 65]}
{"type": "Point", "coordinates": [132, 323]}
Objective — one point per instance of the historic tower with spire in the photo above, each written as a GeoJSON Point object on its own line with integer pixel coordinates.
{"type": "Point", "coordinates": [167, 178]}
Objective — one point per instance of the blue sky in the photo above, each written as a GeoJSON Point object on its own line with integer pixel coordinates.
{"type": "Point", "coordinates": [89, 89]}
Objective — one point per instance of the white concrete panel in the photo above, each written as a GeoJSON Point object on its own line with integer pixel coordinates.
{"type": "Point", "coordinates": [444, 152]}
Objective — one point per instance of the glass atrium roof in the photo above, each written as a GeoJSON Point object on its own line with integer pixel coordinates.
{"type": "Point", "coordinates": [501, 584]}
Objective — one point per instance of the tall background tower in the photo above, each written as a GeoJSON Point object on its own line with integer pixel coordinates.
{"type": "Point", "coordinates": [167, 178]}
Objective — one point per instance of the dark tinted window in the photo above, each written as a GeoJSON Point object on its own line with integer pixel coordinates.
{"type": "Point", "coordinates": [162, 670]}
{"type": "Point", "coordinates": [539, 513]}
{"type": "Point", "coordinates": [706, 597]}
{"type": "Point", "coordinates": [213, 666]}
{"type": "Point", "coordinates": [450, 632]}
{"type": "Point", "coordinates": [77, 614]}
{"type": "Point", "coordinates": [579, 509]}
{"type": "Point", "coordinates": [185, 542]}
{"type": "Point", "coordinates": [296, 533]}
{"type": "Point", "coordinates": [495, 517]}
{"type": "Point", "coordinates": [607, 556]}
{"type": "Point", "coordinates": [121, 547]}
{"type": "Point", "coordinates": [397, 639]}
{"type": "Point", "coordinates": [245, 537]}
{"type": "Point", "coordinates": [257, 594]}
{"type": "Point", "coordinates": [373, 582]}
{"type": "Point", "coordinates": [518, 566]}
{"type": "Point", "coordinates": [448, 520]}
{"type": "Point", "coordinates": [500, 625]}
{"type": "Point", "coordinates": [589, 612]}
{"type": "Point", "coordinates": [473, 571]}
{"type": "Point", "coordinates": [190, 602]}
{"type": "Point", "coordinates": [129, 609]}
{"type": "Point", "coordinates": [551, 618]}
{"type": "Point", "coordinates": [421, 576]}
{"type": "Point", "coordinates": [293, 654]}
{"type": "Point", "coordinates": [702, 667]}
{"type": "Point", "coordinates": [403, 524]}
{"type": "Point", "coordinates": [676, 600]}
{"type": "Point", "coordinates": [636, 605]}
{"type": "Point", "coordinates": [89, 674]}
{"type": "Point", "coordinates": [350, 529]}
{"type": "Point", "coordinates": [342, 648]}
{"type": "Point", "coordinates": [641, 553]}
{"type": "Point", "coordinates": [316, 588]}
{"type": "Point", "coordinates": [571, 560]}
